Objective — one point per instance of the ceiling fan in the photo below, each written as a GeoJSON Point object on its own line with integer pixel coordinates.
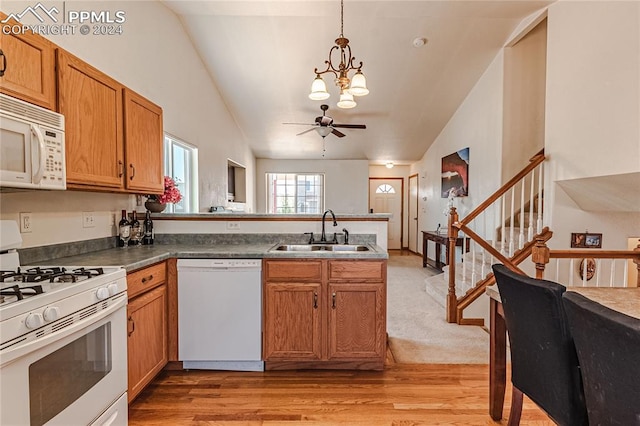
{"type": "Point", "coordinates": [325, 125]}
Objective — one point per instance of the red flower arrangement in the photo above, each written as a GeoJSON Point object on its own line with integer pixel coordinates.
{"type": "Point", "coordinates": [171, 192]}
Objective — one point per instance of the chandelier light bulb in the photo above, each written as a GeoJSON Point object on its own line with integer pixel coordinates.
{"type": "Point", "coordinates": [358, 85]}
{"type": "Point", "coordinates": [346, 100]}
{"type": "Point", "coordinates": [318, 89]}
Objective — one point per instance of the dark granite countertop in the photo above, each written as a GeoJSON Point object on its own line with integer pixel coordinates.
{"type": "Point", "coordinates": [133, 258]}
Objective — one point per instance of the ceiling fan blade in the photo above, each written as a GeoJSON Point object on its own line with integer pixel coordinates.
{"type": "Point", "coordinates": [338, 133]}
{"type": "Point", "coordinates": [306, 131]}
{"type": "Point", "coordinates": [350, 126]}
{"type": "Point", "coordinates": [302, 124]}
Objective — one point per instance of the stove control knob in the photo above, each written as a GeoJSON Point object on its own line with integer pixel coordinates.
{"type": "Point", "coordinates": [113, 289]}
{"type": "Point", "coordinates": [51, 313]}
{"type": "Point", "coordinates": [33, 320]}
{"type": "Point", "coordinates": [102, 293]}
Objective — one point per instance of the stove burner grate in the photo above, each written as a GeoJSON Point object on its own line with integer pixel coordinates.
{"type": "Point", "coordinates": [21, 292]}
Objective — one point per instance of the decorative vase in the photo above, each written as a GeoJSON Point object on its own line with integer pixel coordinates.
{"type": "Point", "coordinates": [154, 206]}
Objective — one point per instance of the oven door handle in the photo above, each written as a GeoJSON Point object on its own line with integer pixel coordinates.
{"type": "Point", "coordinates": [11, 354]}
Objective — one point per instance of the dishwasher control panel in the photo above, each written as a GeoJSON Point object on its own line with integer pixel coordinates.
{"type": "Point", "coordinates": [220, 263]}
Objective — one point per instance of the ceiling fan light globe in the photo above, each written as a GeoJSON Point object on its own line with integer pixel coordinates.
{"type": "Point", "coordinates": [323, 131]}
{"type": "Point", "coordinates": [318, 90]}
{"type": "Point", "coordinates": [359, 85]}
{"type": "Point", "coordinates": [346, 100]}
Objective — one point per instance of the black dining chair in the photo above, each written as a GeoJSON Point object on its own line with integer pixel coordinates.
{"type": "Point", "coordinates": [608, 345]}
{"type": "Point", "coordinates": [544, 364]}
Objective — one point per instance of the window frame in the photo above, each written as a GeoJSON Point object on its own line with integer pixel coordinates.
{"type": "Point", "coordinates": [271, 203]}
{"type": "Point", "coordinates": [190, 195]}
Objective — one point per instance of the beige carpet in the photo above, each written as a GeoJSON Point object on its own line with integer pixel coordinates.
{"type": "Point", "coordinates": [418, 332]}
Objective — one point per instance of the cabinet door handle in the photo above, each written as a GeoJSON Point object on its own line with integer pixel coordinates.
{"type": "Point", "coordinates": [133, 171]}
{"type": "Point", "coordinates": [120, 168]}
{"type": "Point", "coordinates": [315, 300]}
{"type": "Point", "coordinates": [333, 300]}
{"type": "Point", "coordinates": [131, 326]}
{"type": "Point", "coordinates": [4, 63]}
{"type": "Point", "coordinates": [145, 279]}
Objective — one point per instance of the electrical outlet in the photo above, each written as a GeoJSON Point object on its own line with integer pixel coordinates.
{"type": "Point", "coordinates": [233, 226]}
{"type": "Point", "coordinates": [26, 224]}
{"type": "Point", "coordinates": [88, 221]}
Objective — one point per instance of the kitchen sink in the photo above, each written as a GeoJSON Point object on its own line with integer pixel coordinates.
{"type": "Point", "coordinates": [321, 247]}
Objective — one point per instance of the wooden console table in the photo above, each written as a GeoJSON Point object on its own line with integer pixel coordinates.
{"type": "Point", "coordinates": [441, 240]}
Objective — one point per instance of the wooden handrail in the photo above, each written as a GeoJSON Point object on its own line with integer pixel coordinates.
{"type": "Point", "coordinates": [534, 162]}
{"type": "Point", "coordinates": [542, 254]}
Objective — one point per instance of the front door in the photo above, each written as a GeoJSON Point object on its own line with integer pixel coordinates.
{"type": "Point", "coordinates": [385, 196]}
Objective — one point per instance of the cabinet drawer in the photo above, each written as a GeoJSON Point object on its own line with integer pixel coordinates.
{"type": "Point", "coordinates": [145, 279]}
{"type": "Point", "coordinates": [292, 270]}
{"type": "Point", "coordinates": [357, 270]}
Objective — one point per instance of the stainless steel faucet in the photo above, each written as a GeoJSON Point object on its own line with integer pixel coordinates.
{"type": "Point", "coordinates": [323, 236]}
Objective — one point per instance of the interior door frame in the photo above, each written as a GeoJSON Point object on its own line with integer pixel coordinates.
{"type": "Point", "coordinates": [401, 179]}
{"type": "Point", "coordinates": [415, 175]}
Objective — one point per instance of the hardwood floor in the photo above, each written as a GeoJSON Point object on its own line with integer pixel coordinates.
{"type": "Point", "coordinates": [403, 394]}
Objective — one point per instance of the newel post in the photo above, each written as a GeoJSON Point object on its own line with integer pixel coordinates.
{"type": "Point", "coordinates": [452, 300]}
{"type": "Point", "coordinates": [636, 260]}
{"type": "Point", "coordinates": [540, 256]}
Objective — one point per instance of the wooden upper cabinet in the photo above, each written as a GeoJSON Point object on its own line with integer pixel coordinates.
{"type": "Point", "coordinates": [143, 144]}
{"type": "Point", "coordinates": [28, 61]}
{"type": "Point", "coordinates": [91, 102]}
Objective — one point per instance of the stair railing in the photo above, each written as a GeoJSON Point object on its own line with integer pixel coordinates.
{"type": "Point", "coordinates": [501, 229]}
{"type": "Point", "coordinates": [587, 268]}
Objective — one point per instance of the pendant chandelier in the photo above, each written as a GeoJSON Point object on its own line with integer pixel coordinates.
{"type": "Point", "coordinates": [357, 86]}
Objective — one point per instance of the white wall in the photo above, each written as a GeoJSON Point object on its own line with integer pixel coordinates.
{"type": "Point", "coordinates": [346, 181]}
{"type": "Point", "coordinates": [477, 124]}
{"type": "Point", "coordinates": [592, 111]}
{"type": "Point", "coordinates": [155, 58]}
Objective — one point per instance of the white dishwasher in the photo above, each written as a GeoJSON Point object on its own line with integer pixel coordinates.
{"type": "Point", "coordinates": [220, 314]}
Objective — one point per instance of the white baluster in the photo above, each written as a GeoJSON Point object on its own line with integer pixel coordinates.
{"type": "Point", "coordinates": [540, 198]}
{"type": "Point", "coordinates": [482, 272]}
{"type": "Point", "coordinates": [511, 240]}
{"type": "Point", "coordinates": [613, 273]}
{"type": "Point", "coordinates": [473, 264]}
{"type": "Point", "coordinates": [557, 270]}
{"type": "Point", "coordinates": [571, 267]}
{"type": "Point", "coordinates": [521, 224]}
{"type": "Point", "coordinates": [598, 269]}
{"type": "Point", "coordinates": [584, 272]}
{"type": "Point", "coordinates": [503, 219]}
{"type": "Point", "coordinates": [531, 204]}
{"type": "Point", "coordinates": [625, 277]}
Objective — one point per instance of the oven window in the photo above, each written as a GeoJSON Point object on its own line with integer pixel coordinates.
{"type": "Point", "coordinates": [60, 378]}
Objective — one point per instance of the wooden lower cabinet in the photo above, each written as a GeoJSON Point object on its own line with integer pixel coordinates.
{"type": "Point", "coordinates": [292, 321]}
{"type": "Point", "coordinates": [147, 343]}
{"type": "Point", "coordinates": [324, 314]}
{"type": "Point", "coordinates": [357, 321]}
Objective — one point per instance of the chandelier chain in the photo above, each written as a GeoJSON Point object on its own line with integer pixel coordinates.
{"type": "Point", "coordinates": [341, 18]}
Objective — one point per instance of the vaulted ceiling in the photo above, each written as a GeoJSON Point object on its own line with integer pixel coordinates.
{"type": "Point", "coordinates": [261, 55]}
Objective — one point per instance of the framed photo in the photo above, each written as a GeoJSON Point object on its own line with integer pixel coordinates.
{"type": "Point", "coordinates": [586, 240]}
{"type": "Point", "coordinates": [455, 174]}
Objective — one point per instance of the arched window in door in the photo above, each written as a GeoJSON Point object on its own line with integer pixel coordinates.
{"type": "Point", "coordinates": [385, 189]}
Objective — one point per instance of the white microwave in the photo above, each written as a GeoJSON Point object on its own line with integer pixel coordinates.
{"type": "Point", "coordinates": [31, 146]}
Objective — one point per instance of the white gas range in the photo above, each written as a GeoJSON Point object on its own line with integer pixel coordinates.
{"type": "Point", "coordinates": [63, 353]}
